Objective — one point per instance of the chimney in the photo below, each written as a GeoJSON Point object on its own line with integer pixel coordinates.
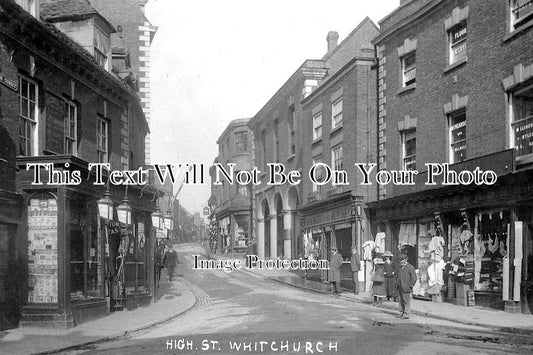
{"type": "Point", "coordinates": [333, 39]}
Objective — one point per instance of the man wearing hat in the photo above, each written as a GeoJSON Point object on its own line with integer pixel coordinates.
{"type": "Point", "coordinates": [356, 266]}
{"type": "Point", "coordinates": [335, 270]}
{"type": "Point", "coordinates": [405, 282]}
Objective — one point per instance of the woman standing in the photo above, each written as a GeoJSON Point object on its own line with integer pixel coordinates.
{"type": "Point", "coordinates": [378, 281]}
{"type": "Point", "coordinates": [389, 271]}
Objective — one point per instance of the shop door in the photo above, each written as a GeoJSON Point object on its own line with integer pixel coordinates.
{"type": "Point", "coordinates": [527, 290]}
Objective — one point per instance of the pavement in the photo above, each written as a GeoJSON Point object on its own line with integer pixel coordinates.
{"type": "Point", "coordinates": [172, 299]}
{"type": "Point", "coordinates": [476, 316]}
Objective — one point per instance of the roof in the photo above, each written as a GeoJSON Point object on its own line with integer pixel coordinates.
{"type": "Point", "coordinates": [65, 10]}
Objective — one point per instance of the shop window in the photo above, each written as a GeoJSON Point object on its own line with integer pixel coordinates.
{"type": "Point", "coordinates": [457, 42]}
{"type": "Point", "coordinates": [409, 149]}
{"type": "Point", "coordinates": [71, 119]}
{"type": "Point", "coordinates": [457, 132]}
{"type": "Point", "coordinates": [102, 139]}
{"type": "Point", "coordinates": [336, 114]}
{"type": "Point", "coordinates": [241, 231]}
{"type": "Point", "coordinates": [317, 126]}
{"type": "Point", "coordinates": [521, 12]}
{"type": "Point", "coordinates": [408, 69]}
{"type": "Point", "coordinates": [86, 279]}
{"type": "Point", "coordinates": [28, 117]}
{"type": "Point", "coordinates": [521, 112]}
{"type": "Point", "coordinates": [336, 158]}
{"type": "Point", "coordinates": [241, 142]}
{"type": "Point", "coordinates": [292, 131]}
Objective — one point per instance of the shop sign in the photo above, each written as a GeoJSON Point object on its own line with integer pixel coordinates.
{"type": "Point", "coordinates": [12, 84]}
{"type": "Point", "coordinates": [332, 216]}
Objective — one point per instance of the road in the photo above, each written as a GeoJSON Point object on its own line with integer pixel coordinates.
{"type": "Point", "coordinates": [240, 312]}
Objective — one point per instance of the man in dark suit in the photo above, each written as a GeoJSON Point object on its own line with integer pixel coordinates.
{"type": "Point", "coordinates": [405, 282]}
{"type": "Point", "coordinates": [335, 270]}
{"type": "Point", "coordinates": [356, 266]}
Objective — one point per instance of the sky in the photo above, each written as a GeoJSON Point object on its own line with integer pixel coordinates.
{"type": "Point", "coordinates": [213, 61]}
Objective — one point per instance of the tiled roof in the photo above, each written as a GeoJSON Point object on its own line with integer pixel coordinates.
{"type": "Point", "coordinates": [62, 9]}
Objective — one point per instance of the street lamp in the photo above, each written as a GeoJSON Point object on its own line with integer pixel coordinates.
{"type": "Point", "coordinates": [168, 221]}
{"type": "Point", "coordinates": [105, 205]}
{"type": "Point", "coordinates": [157, 217]}
{"type": "Point", "coordinates": [124, 210]}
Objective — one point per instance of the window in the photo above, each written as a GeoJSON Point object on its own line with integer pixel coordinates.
{"type": "Point", "coordinates": [336, 158]}
{"type": "Point", "coordinates": [71, 116]}
{"type": "Point", "coordinates": [320, 173]}
{"type": "Point", "coordinates": [243, 190]}
{"type": "Point", "coordinates": [409, 149]}
{"type": "Point", "coordinates": [457, 40]}
{"type": "Point", "coordinates": [241, 142]}
{"type": "Point", "coordinates": [102, 135]}
{"type": "Point", "coordinates": [521, 11]}
{"type": "Point", "coordinates": [263, 148]}
{"type": "Point", "coordinates": [457, 137]}
{"type": "Point", "coordinates": [101, 48]}
{"type": "Point", "coordinates": [317, 126]}
{"type": "Point", "coordinates": [336, 114]}
{"type": "Point", "coordinates": [522, 121]}
{"type": "Point", "coordinates": [292, 131]}
{"type": "Point", "coordinates": [28, 114]}
{"type": "Point", "coordinates": [409, 69]}
{"type": "Point", "coordinates": [276, 141]}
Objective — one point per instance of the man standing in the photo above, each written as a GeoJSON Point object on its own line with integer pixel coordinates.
{"type": "Point", "coordinates": [356, 266]}
{"type": "Point", "coordinates": [171, 259]}
{"type": "Point", "coordinates": [335, 270]}
{"type": "Point", "coordinates": [405, 282]}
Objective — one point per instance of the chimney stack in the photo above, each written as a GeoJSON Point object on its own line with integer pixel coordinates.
{"type": "Point", "coordinates": [333, 39]}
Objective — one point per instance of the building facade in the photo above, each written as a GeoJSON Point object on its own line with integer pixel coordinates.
{"type": "Point", "coordinates": [454, 87]}
{"type": "Point", "coordinates": [232, 203]}
{"type": "Point", "coordinates": [61, 105]}
{"type": "Point", "coordinates": [339, 131]}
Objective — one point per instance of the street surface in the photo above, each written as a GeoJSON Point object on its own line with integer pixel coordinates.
{"type": "Point", "coordinates": [241, 312]}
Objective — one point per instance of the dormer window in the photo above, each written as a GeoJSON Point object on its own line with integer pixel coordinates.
{"type": "Point", "coordinates": [101, 48]}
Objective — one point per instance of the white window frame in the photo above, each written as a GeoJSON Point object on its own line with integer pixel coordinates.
{"type": "Point", "coordinates": [451, 128]}
{"type": "Point", "coordinates": [408, 161]}
{"type": "Point", "coordinates": [317, 126]}
{"type": "Point", "coordinates": [102, 140]}
{"type": "Point", "coordinates": [102, 43]}
{"type": "Point", "coordinates": [407, 69]}
{"type": "Point", "coordinates": [457, 36]}
{"type": "Point", "coordinates": [71, 129]}
{"type": "Point", "coordinates": [336, 158]}
{"type": "Point", "coordinates": [28, 123]}
{"type": "Point", "coordinates": [318, 159]}
{"type": "Point", "coordinates": [336, 114]}
{"type": "Point", "coordinates": [525, 123]}
{"type": "Point", "coordinates": [515, 8]}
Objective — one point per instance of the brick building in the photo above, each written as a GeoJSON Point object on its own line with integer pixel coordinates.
{"type": "Point", "coordinates": [282, 134]}
{"type": "Point", "coordinates": [339, 131]}
{"type": "Point", "coordinates": [61, 104]}
{"type": "Point", "coordinates": [232, 202]}
{"type": "Point", "coordinates": [455, 86]}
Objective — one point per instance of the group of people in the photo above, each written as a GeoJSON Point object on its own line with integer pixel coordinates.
{"type": "Point", "coordinates": [390, 280]}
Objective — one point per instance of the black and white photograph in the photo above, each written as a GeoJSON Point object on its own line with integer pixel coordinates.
{"type": "Point", "coordinates": [266, 177]}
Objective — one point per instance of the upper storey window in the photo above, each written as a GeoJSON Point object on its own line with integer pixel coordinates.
{"type": "Point", "coordinates": [31, 6]}
{"type": "Point", "coordinates": [409, 69]}
{"type": "Point", "coordinates": [521, 11]}
{"type": "Point", "coordinates": [101, 48]}
{"type": "Point", "coordinates": [457, 40]}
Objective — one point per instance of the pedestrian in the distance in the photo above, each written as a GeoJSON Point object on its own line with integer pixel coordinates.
{"type": "Point", "coordinates": [378, 281]}
{"type": "Point", "coordinates": [159, 261]}
{"type": "Point", "coordinates": [356, 266]}
{"type": "Point", "coordinates": [170, 261]}
{"type": "Point", "coordinates": [335, 270]}
{"type": "Point", "coordinates": [404, 284]}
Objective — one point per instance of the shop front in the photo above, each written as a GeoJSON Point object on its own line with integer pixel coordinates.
{"type": "Point", "coordinates": [470, 245]}
{"type": "Point", "coordinates": [83, 264]}
{"type": "Point", "coordinates": [335, 223]}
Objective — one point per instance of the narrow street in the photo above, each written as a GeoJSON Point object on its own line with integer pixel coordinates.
{"type": "Point", "coordinates": [242, 312]}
